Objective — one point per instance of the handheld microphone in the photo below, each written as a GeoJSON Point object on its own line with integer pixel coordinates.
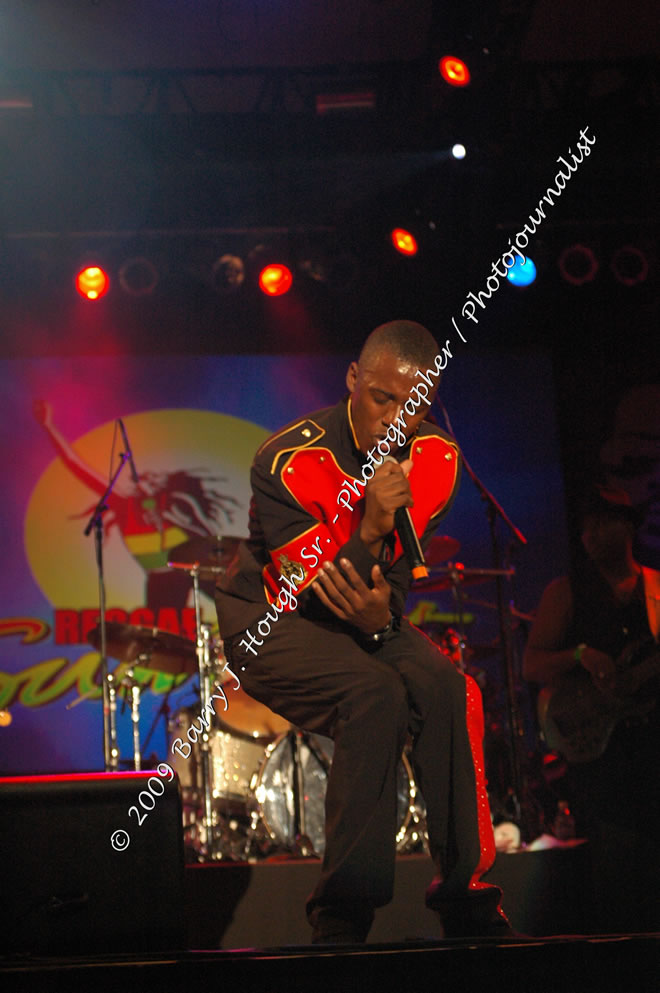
{"type": "Point", "coordinates": [128, 452]}
{"type": "Point", "coordinates": [408, 537]}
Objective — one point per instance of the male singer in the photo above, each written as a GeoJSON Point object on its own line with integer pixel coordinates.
{"type": "Point", "coordinates": [337, 657]}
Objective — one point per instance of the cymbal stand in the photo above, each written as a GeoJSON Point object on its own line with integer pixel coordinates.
{"type": "Point", "coordinates": [204, 663]}
{"type": "Point", "coordinates": [456, 579]}
{"type": "Point", "coordinates": [303, 843]}
{"type": "Point", "coordinates": [493, 511]}
{"type": "Point", "coordinates": [164, 712]}
{"type": "Point", "coordinates": [457, 575]}
{"type": "Point", "coordinates": [110, 746]}
{"type": "Point", "coordinates": [131, 682]}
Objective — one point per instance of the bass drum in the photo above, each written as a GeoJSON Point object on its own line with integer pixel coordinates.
{"type": "Point", "coordinates": [238, 738]}
{"type": "Point", "coordinates": [234, 758]}
{"type": "Point", "coordinates": [274, 796]}
{"type": "Point", "coordinates": [247, 717]}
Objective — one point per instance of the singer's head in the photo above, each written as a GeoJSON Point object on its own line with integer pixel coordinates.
{"type": "Point", "coordinates": [385, 376]}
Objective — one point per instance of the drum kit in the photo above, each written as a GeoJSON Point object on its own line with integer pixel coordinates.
{"type": "Point", "coordinates": [252, 785]}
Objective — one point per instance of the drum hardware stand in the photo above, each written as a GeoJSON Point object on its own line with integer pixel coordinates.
{"type": "Point", "coordinates": [458, 575]}
{"type": "Point", "coordinates": [129, 682]}
{"type": "Point", "coordinates": [110, 746]}
{"type": "Point", "coordinates": [205, 665]}
{"type": "Point", "coordinates": [303, 845]}
{"type": "Point", "coordinates": [205, 656]}
{"type": "Point", "coordinates": [204, 662]}
{"type": "Point", "coordinates": [163, 711]}
{"type": "Point", "coordinates": [493, 511]}
{"type": "Point", "coordinates": [419, 832]}
{"type": "Point", "coordinates": [456, 570]}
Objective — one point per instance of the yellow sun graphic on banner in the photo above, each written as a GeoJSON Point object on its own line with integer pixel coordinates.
{"type": "Point", "coordinates": [194, 470]}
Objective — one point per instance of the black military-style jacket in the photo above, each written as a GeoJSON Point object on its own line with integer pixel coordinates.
{"type": "Point", "coordinates": [296, 521]}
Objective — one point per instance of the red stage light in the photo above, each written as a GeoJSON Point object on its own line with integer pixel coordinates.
{"type": "Point", "coordinates": [275, 279]}
{"type": "Point", "coordinates": [138, 276]}
{"type": "Point", "coordinates": [629, 265]}
{"type": "Point", "coordinates": [454, 71]}
{"type": "Point", "coordinates": [404, 241]}
{"type": "Point", "coordinates": [578, 264]}
{"type": "Point", "coordinates": [92, 282]}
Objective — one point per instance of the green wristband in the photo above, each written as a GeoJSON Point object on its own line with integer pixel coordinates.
{"type": "Point", "coordinates": [579, 652]}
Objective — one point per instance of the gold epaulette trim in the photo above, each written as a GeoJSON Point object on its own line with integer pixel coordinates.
{"type": "Point", "coordinates": [299, 435]}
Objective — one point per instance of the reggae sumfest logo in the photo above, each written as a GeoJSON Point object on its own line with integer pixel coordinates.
{"type": "Point", "coordinates": [193, 488]}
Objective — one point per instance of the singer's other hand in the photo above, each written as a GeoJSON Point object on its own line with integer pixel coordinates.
{"type": "Point", "coordinates": [349, 597]}
{"type": "Point", "coordinates": [385, 492]}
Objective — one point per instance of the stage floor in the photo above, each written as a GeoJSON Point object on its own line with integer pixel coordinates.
{"type": "Point", "coordinates": [245, 931]}
{"type": "Point", "coordinates": [570, 964]}
{"type": "Point", "coordinates": [238, 905]}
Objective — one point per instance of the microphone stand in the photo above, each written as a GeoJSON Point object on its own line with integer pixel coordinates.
{"type": "Point", "coordinates": [493, 511]}
{"type": "Point", "coordinates": [163, 711]}
{"type": "Point", "coordinates": [110, 747]}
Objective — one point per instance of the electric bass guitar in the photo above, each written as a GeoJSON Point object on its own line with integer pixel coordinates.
{"type": "Point", "coordinates": [577, 719]}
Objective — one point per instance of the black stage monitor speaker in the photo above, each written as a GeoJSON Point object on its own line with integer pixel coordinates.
{"type": "Point", "coordinates": [91, 862]}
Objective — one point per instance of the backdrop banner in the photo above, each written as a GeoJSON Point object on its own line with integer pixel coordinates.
{"type": "Point", "coordinates": [194, 424]}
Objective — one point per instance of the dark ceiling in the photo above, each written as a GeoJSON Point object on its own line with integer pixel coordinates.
{"type": "Point", "coordinates": [170, 128]}
{"type": "Point", "coordinates": [134, 34]}
{"type": "Point", "coordinates": [204, 113]}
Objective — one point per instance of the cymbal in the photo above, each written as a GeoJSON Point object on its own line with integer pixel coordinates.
{"type": "Point", "coordinates": [493, 606]}
{"type": "Point", "coordinates": [456, 575]}
{"type": "Point", "coordinates": [441, 548]}
{"type": "Point", "coordinates": [210, 555]}
{"type": "Point", "coordinates": [485, 651]}
{"type": "Point", "coordinates": [149, 647]}
{"type": "Point", "coordinates": [433, 584]}
{"type": "Point", "coordinates": [439, 622]}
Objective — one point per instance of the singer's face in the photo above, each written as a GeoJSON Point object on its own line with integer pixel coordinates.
{"type": "Point", "coordinates": [379, 391]}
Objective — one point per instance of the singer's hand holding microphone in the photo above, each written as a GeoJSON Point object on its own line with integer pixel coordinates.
{"type": "Point", "coordinates": [342, 590]}
{"type": "Point", "coordinates": [388, 490]}
{"type": "Point", "coordinates": [387, 498]}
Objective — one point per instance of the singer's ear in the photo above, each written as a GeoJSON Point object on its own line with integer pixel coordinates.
{"type": "Point", "coordinates": [352, 377]}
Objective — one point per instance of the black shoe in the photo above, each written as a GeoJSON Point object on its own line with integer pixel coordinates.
{"type": "Point", "coordinates": [475, 914]}
{"type": "Point", "coordinates": [498, 926]}
{"type": "Point", "coordinates": [336, 938]}
{"type": "Point", "coordinates": [331, 929]}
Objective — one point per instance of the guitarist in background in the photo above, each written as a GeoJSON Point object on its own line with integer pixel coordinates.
{"type": "Point", "coordinates": [586, 623]}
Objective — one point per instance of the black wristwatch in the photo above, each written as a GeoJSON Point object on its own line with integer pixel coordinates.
{"type": "Point", "coordinates": [379, 635]}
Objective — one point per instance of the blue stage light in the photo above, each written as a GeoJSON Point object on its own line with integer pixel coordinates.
{"type": "Point", "coordinates": [522, 273]}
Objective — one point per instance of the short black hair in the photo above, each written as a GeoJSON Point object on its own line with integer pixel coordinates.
{"type": "Point", "coordinates": [407, 340]}
{"type": "Point", "coordinates": [603, 501]}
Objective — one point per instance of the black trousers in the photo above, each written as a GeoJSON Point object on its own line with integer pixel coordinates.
{"type": "Point", "coordinates": [322, 680]}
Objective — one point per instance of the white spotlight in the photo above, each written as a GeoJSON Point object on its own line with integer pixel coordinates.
{"type": "Point", "coordinates": [459, 151]}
